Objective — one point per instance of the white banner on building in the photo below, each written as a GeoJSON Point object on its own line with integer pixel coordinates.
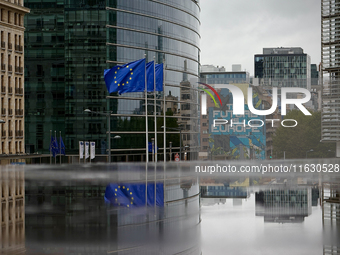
{"type": "Point", "coordinates": [93, 150]}
{"type": "Point", "coordinates": [81, 149]}
{"type": "Point", "coordinates": [87, 150]}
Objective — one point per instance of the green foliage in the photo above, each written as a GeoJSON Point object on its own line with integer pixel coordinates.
{"type": "Point", "coordinates": [305, 136]}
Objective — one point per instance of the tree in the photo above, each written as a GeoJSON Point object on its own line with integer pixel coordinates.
{"type": "Point", "coordinates": [296, 141]}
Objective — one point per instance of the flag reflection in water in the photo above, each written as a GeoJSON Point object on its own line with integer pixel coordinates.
{"type": "Point", "coordinates": [130, 195]}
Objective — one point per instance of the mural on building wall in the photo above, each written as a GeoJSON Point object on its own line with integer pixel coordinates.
{"type": "Point", "coordinates": [239, 140]}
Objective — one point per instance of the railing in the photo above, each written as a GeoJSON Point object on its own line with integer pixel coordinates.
{"type": "Point", "coordinates": [19, 69]}
{"type": "Point", "coordinates": [10, 134]}
{"type": "Point", "coordinates": [10, 90]}
{"type": "Point", "coordinates": [3, 44]}
{"type": "Point", "coordinates": [3, 111]}
{"type": "Point", "coordinates": [19, 91]}
{"type": "Point", "coordinates": [10, 112]}
{"type": "Point", "coordinates": [10, 68]}
{"type": "Point", "coordinates": [10, 46]}
{"type": "Point", "coordinates": [3, 133]}
{"type": "Point", "coordinates": [3, 67]}
{"type": "Point", "coordinates": [19, 133]}
{"type": "Point", "coordinates": [19, 112]}
{"type": "Point", "coordinates": [18, 48]}
{"type": "Point", "coordinates": [3, 89]}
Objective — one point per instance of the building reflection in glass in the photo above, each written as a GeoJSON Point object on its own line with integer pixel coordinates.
{"type": "Point", "coordinates": [218, 188]}
{"type": "Point", "coordinates": [12, 211]}
{"type": "Point", "coordinates": [331, 217]}
{"type": "Point", "coordinates": [67, 217]}
{"type": "Point", "coordinates": [284, 205]}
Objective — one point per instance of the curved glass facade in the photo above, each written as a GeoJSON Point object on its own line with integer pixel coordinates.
{"type": "Point", "coordinates": [101, 34]}
{"type": "Point", "coordinates": [167, 31]}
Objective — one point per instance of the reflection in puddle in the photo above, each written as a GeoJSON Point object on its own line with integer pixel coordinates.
{"type": "Point", "coordinates": [62, 210]}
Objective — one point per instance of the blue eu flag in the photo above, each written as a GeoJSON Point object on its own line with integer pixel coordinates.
{"type": "Point", "coordinates": [62, 146]}
{"type": "Point", "coordinates": [150, 71]}
{"type": "Point", "coordinates": [54, 146]}
{"type": "Point", "coordinates": [132, 195]}
{"type": "Point", "coordinates": [159, 77]}
{"type": "Point", "coordinates": [126, 78]}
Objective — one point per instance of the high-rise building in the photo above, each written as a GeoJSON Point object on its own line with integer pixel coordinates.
{"type": "Point", "coordinates": [70, 43]}
{"type": "Point", "coordinates": [283, 67]}
{"type": "Point", "coordinates": [218, 75]}
{"type": "Point", "coordinates": [12, 76]}
{"type": "Point", "coordinates": [330, 72]}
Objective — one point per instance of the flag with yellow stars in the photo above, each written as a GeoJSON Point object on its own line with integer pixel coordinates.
{"type": "Point", "coordinates": [152, 82]}
{"type": "Point", "coordinates": [126, 78]}
{"type": "Point", "coordinates": [132, 195]}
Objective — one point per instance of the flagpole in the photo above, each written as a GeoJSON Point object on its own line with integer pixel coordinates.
{"type": "Point", "coordinates": [155, 108]}
{"type": "Point", "coordinates": [164, 112]}
{"type": "Point", "coordinates": [55, 137]}
{"type": "Point", "coordinates": [60, 145]}
{"type": "Point", "coordinates": [146, 115]}
{"type": "Point", "coordinates": [50, 148]}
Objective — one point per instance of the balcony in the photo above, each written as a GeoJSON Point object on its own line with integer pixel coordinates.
{"type": "Point", "coordinates": [19, 91]}
{"type": "Point", "coordinates": [10, 68]}
{"type": "Point", "coordinates": [10, 90]}
{"type": "Point", "coordinates": [10, 46]}
{"type": "Point", "coordinates": [3, 67]}
{"type": "Point", "coordinates": [10, 112]}
{"type": "Point", "coordinates": [19, 112]}
{"type": "Point", "coordinates": [19, 133]}
{"type": "Point", "coordinates": [3, 112]}
{"type": "Point", "coordinates": [19, 70]}
{"type": "Point", "coordinates": [3, 45]}
{"type": "Point", "coordinates": [18, 48]}
{"type": "Point", "coordinates": [10, 134]}
{"type": "Point", "coordinates": [3, 90]}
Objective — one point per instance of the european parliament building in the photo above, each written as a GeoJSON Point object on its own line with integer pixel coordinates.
{"type": "Point", "coordinates": [69, 43]}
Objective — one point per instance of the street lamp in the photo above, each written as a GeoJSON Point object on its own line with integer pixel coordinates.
{"type": "Point", "coordinates": [309, 151]}
{"type": "Point", "coordinates": [107, 114]}
{"type": "Point", "coordinates": [180, 139]}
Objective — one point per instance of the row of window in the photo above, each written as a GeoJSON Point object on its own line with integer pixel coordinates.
{"type": "Point", "coordinates": [153, 25]}
{"type": "Point", "coordinates": [11, 18]}
{"type": "Point", "coordinates": [160, 11]}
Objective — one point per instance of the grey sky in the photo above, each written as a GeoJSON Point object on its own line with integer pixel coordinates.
{"type": "Point", "coordinates": [233, 31]}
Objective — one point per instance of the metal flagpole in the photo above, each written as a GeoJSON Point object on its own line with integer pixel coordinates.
{"type": "Point", "coordinates": [146, 115]}
{"type": "Point", "coordinates": [60, 146]}
{"type": "Point", "coordinates": [50, 147]}
{"type": "Point", "coordinates": [55, 137]}
{"type": "Point", "coordinates": [147, 139]}
{"type": "Point", "coordinates": [155, 107]}
{"type": "Point", "coordinates": [164, 112]}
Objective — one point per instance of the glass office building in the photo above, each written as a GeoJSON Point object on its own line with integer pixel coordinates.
{"type": "Point", "coordinates": [283, 67]}
{"type": "Point", "coordinates": [69, 44]}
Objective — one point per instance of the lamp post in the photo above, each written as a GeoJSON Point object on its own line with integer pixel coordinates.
{"type": "Point", "coordinates": [107, 114]}
{"type": "Point", "coordinates": [309, 151]}
{"type": "Point", "coordinates": [180, 139]}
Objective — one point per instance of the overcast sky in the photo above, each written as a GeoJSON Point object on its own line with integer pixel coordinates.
{"type": "Point", "coordinates": [233, 31]}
